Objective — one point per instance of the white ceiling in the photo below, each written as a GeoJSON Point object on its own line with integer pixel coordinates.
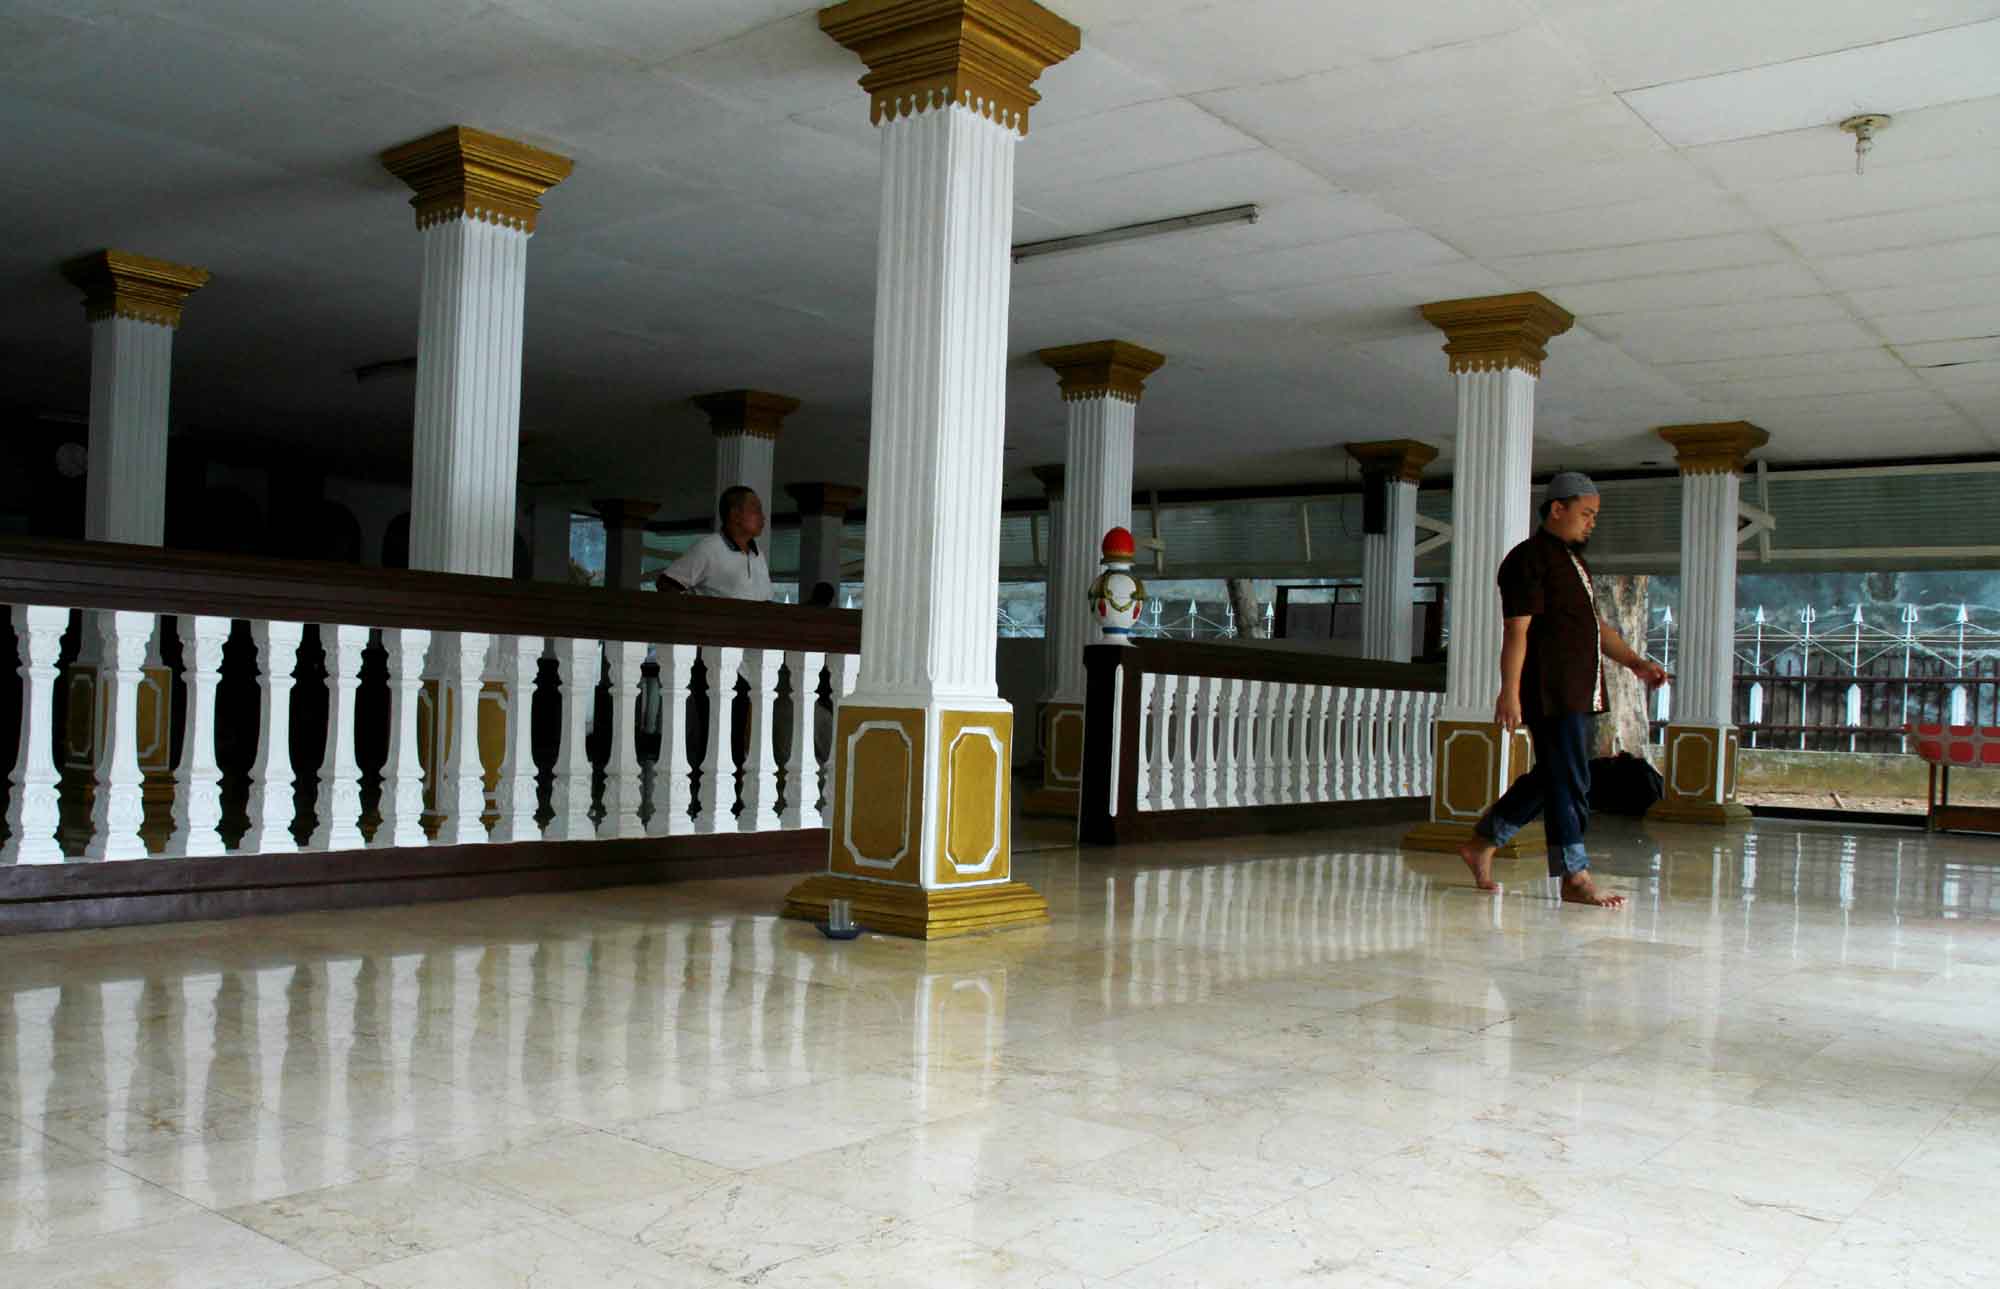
{"type": "Point", "coordinates": [719, 229]}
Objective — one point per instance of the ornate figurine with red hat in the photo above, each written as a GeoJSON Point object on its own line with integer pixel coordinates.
{"type": "Point", "coordinates": [1116, 595]}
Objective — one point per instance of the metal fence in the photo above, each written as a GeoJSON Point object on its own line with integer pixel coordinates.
{"type": "Point", "coordinates": [1852, 685]}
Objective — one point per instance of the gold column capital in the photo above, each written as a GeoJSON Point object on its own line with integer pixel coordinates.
{"type": "Point", "coordinates": [625, 512]}
{"type": "Point", "coordinates": [745, 411]}
{"type": "Point", "coordinates": [1496, 332]}
{"type": "Point", "coordinates": [983, 54]}
{"type": "Point", "coordinates": [831, 499]}
{"type": "Point", "coordinates": [1051, 478]}
{"type": "Point", "coordinates": [123, 285]}
{"type": "Point", "coordinates": [1721, 447]}
{"type": "Point", "coordinates": [1403, 458]}
{"type": "Point", "coordinates": [463, 171]}
{"type": "Point", "coordinates": [1115, 367]}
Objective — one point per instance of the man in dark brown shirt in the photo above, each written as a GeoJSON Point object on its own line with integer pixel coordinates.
{"type": "Point", "coordinates": [1552, 681]}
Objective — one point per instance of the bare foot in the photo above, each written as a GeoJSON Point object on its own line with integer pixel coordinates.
{"type": "Point", "coordinates": [1577, 888]}
{"type": "Point", "coordinates": [1478, 856]}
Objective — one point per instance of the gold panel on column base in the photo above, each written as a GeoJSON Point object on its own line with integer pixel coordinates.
{"type": "Point", "coordinates": [875, 793]}
{"type": "Point", "coordinates": [1062, 764]}
{"type": "Point", "coordinates": [897, 909]}
{"type": "Point", "coordinates": [1476, 762]}
{"type": "Point", "coordinates": [1700, 777]}
{"type": "Point", "coordinates": [83, 730]}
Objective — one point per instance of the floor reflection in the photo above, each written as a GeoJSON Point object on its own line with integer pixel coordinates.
{"type": "Point", "coordinates": [1221, 1064]}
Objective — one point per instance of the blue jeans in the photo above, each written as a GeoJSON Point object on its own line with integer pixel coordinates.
{"type": "Point", "coordinates": [1558, 789]}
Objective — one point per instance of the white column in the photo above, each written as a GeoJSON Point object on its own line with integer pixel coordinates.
{"type": "Point", "coordinates": [569, 793]}
{"type": "Point", "coordinates": [1101, 383]}
{"type": "Point", "coordinates": [519, 660]}
{"type": "Point", "coordinates": [476, 201]}
{"type": "Point", "coordinates": [134, 304]}
{"type": "Point", "coordinates": [338, 804]}
{"type": "Point", "coordinates": [950, 113]}
{"type": "Point", "coordinates": [401, 808]}
{"type": "Point", "coordinates": [272, 806]}
{"type": "Point", "coordinates": [1490, 515]}
{"type": "Point", "coordinates": [1496, 345]}
{"type": "Point", "coordinates": [621, 766]}
{"type": "Point", "coordinates": [34, 812]}
{"type": "Point", "coordinates": [1389, 558]}
{"type": "Point", "coordinates": [745, 460]}
{"type": "Point", "coordinates": [1700, 768]}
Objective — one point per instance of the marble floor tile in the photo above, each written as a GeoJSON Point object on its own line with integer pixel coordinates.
{"type": "Point", "coordinates": [1087, 1229]}
{"type": "Point", "coordinates": [541, 1257]}
{"type": "Point", "coordinates": [385, 1219]}
{"type": "Point", "coordinates": [582, 1171]}
{"type": "Point", "coordinates": [201, 1251]}
{"type": "Point", "coordinates": [81, 1202]}
{"type": "Point", "coordinates": [914, 1257]}
{"type": "Point", "coordinates": [739, 1227]}
{"type": "Point", "coordinates": [1242, 1257]}
{"type": "Point", "coordinates": [1561, 1255]}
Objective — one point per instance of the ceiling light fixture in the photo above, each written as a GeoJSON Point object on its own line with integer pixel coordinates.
{"type": "Point", "coordinates": [1245, 214]}
{"type": "Point", "coordinates": [1863, 129]}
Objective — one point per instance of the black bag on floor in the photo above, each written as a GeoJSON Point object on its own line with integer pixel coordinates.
{"type": "Point", "coordinates": [1624, 785]}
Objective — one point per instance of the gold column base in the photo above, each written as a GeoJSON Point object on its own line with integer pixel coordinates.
{"type": "Point", "coordinates": [1700, 777]}
{"type": "Point", "coordinates": [1447, 837]}
{"type": "Point", "coordinates": [896, 909]}
{"type": "Point", "coordinates": [1062, 764]}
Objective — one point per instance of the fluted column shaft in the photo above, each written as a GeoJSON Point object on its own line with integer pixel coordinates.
{"type": "Point", "coordinates": [1490, 515]}
{"type": "Point", "coordinates": [1705, 671]}
{"type": "Point", "coordinates": [746, 460]}
{"type": "Point", "coordinates": [1388, 578]}
{"type": "Point", "coordinates": [465, 456]}
{"type": "Point", "coordinates": [125, 498]}
{"type": "Point", "coordinates": [1097, 497]}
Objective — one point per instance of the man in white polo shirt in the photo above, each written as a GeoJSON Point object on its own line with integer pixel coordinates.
{"type": "Point", "coordinates": [729, 563]}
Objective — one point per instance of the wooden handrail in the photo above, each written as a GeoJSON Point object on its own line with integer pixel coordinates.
{"type": "Point", "coordinates": [107, 575]}
{"type": "Point", "coordinates": [1287, 666]}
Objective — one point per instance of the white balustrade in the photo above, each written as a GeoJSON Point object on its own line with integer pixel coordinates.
{"type": "Point", "coordinates": [1165, 690]}
{"type": "Point", "coordinates": [1228, 774]}
{"type": "Point", "coordinates": [1148, 749]}
{"type": "Point", "coordinates": [783, 785]}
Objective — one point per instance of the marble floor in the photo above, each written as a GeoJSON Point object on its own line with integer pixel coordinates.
{"type": "Point", "coordinates": [1286, 1061]}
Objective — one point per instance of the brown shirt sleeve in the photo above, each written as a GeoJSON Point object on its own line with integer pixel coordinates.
{"type": "Point", "coordinates": [1523, 593]}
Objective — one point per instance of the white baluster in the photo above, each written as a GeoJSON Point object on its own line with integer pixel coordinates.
{"type": "Point", "coordinates": [34, 807]}
{"type": "Point", "coordinates": [402, 804]}
{"type": "Point", "coordinates": [338, 804]}
{"type": "Point", "coordinates": [119, 806]}
{"type": "Point", "coordinates": [1427, 744]}
{"type": "Point", "coordinates": [802, 786]}
{"type": "Point", "coordinates": [1294, 729]}
{"type": "Point", "coordinates": [760, 763]}
{"type": "Point", "coordinates": [1369, 747]}
{"type": "Point", "coordinates": [1341, 776]}
{"type": "Point", "coordinates": [1250, 720]}
{"type": "Point", "coordinates": [1201, 745]}
{"type": "Point", "coordinates": [1165, 754]}
{"type": "Point", "coordinates": [1186, 719]}
{"type": "Point", "coordinates": [843, 668]}
{"type": "Point", "coordinates": [569, 794]}
{"type": "Point", "coordinates": [718, 766]}
{"type": "Point", "coordinates": [1314, 721]}
{"type": "Point", "coordinates": [621, 765]}
{"type": "Point", "coordinates": [1399, 742]}
{"type": "Point", "coordinates": [519, 661]}
{"type": "Point", "coordinates": [671, 797]}
{"type": "Point", "coordinates": [1228, 717]}
{"type": "Point", "coordinates": [1270, 740]}
{"type": "Point", "coordinates": [461, 795]}
{"type": "Point", "coordinates": [271, 803]}
{"type": "Point", "coordinates": [1148, 738]}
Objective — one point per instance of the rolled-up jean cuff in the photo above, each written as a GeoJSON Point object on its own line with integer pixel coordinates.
{"type": "Point", "coordinates": [1567, 859]}
{"type": "Point", "coordinates": [1496, 830]}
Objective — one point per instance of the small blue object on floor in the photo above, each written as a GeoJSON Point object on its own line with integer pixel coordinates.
{"type": "Point", "coordinates": [832, 932]}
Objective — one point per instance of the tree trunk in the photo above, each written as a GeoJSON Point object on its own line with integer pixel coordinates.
{"type": "Point", "coordinates": [1249, 615]}
{"type": "Point", "coordinates": [1621, 601]}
